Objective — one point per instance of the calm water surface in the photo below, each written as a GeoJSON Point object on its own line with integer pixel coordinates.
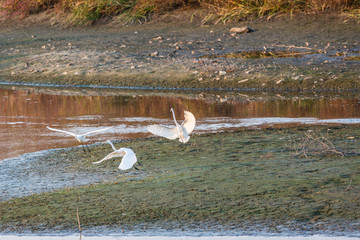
{"type": "Point", "coordinates": [25, 114]}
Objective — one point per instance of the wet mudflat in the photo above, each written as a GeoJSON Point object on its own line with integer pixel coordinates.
{"type": "Point", "coordinates": [293, 179]}
{"type": "Point", "coordinates": [302, 53]}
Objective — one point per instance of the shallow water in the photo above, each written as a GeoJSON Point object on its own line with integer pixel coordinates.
{"type": "Point", "coordinates": [25, 114]}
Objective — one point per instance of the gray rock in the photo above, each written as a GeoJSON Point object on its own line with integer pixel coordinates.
{"type": "Point", "coordinates": [240, 30]}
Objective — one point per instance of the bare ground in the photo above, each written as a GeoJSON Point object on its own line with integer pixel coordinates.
{"type": "Point", "coordinates": [307, 52]}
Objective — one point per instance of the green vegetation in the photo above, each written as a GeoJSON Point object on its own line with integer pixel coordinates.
{"type": "Point", "coordinates": [130, 11]}
{"type": "Point", "coordinates": [281, 176]}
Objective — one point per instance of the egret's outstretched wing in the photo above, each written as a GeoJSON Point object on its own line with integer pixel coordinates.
{"type": "Point", "coordinates": [128, 160]}
{"type": "Point", "coordinates": [169, 133]}
{"type": "Point", "coordinates": [111, 155]}
{"type": "Point", "coordinates": [100, 130]}
{"type": "Point", "coordinates": [189, 122]}
{"type": "Point", "coordinates": [62, 131]}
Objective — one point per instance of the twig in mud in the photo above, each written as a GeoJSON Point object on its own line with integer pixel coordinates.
{"type": "Point", "coordinates": [78, 218]}
{"type": "Point", "coordinates": [312, 144]}
{"type": "Point", "coordinates": [349, 186]}
{"type": "Point", "coordinates": [292, 46]}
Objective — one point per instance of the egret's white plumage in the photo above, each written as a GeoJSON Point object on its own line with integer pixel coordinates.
{"type": "Point", "coordinates": [128, 160]}
{"type": "Point", "coordinates": [179, 131]}
{"type": "Point", "coordinates": [81, 138]}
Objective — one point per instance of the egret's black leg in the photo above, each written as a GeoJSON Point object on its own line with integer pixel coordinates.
{"type": "Point", "coordinates": [136, 168]}
{"type": "Point", "coordinates": [83, 148]}
{"type": "Point", "coordinates": [139, 163]}
{"type": "Point", "coordinates": [87, 147]}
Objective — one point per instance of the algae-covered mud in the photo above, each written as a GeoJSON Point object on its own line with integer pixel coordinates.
{"type": "Point", "coordinates": [295, 179]}
{"type": "Point", "coordinates": [315, 52]}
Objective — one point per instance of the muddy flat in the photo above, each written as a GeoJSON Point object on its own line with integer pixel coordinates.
{"type": "Point", "coordinates": [314, 52]}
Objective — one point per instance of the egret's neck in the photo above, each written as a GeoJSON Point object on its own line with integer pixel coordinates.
{"type": "Point", "coordinates": [172, 110]}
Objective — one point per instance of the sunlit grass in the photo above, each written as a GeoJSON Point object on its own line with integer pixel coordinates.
{"type": "Point", "coordinates": [218, 11]}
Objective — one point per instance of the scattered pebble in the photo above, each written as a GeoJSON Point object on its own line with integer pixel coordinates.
{"type": "Point", "coordinates": [154, 54]}
{"type": "Point", "coordinates": [222, 73]}
{"type": "Point", "coordinates": [240, 30]}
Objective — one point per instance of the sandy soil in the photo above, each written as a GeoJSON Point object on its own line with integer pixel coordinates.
{"type": "Point", "coordinates": [320, 52]}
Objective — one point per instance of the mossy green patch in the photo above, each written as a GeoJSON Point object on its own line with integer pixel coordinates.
{"type": "Point", "coordinates": [226, 178]}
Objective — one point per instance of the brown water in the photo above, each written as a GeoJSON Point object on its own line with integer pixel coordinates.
{"type": "Point", "coordinates": [25, 114]}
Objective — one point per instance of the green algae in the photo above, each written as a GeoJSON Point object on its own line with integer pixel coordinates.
{"type": "Point", "coordinates": [226, 178]}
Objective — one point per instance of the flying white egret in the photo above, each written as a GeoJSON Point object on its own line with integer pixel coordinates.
{"type": "Point", "coordinates": [81, 138]}
{"type": "Point", "coordinates": [128, 160]}
{"type": "Point", "coordinates": [179, 131]}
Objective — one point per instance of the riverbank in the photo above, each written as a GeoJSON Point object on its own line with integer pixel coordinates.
{"type": "Point", "coordinates": [307, 52]}
{"type": "Point", "coordinates": [301, 179]}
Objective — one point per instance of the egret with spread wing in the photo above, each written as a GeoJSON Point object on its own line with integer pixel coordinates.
{"type": "Point", "coordinates": [81, 138]}
{"type": "Point", "coordinates": [179, 131]}
{"type": "Point", "coordinates": [128, 160]}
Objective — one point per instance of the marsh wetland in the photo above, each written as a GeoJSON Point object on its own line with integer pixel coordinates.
{"type": "Point", "coordinates": [287, 164]}
{"type": "Point", "coordinates": [275, 149]}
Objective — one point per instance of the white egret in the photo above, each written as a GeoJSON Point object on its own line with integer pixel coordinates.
{"type": "Point", "coordinates": [128, 160]}
{"type": "Point", "coordinates": [81, 138]}
{"type": "Point", "coordinates": [179, 131]}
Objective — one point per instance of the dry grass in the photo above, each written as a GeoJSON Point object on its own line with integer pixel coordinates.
{"type": "Point", "coordinates": [313, 144]}
{"type": "Point", "coordinates": [130, 11]}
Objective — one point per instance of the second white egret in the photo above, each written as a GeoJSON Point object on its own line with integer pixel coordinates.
{"type": "Point", "coordinates": [128, 160]}
{"type": "Point", "coordinates": [81, 138]}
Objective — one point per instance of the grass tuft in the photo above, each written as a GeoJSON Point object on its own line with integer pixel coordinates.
{"type": "Point", "coordinates": [130, 11]}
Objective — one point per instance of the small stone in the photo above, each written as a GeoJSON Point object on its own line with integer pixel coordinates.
{"type": "Point", "coordinates": [222, 73]}
{"type": "Point", "coordinates": [13, 73]}
{"type": "Point", "coordinates": [154, 54]}
{"type": "Point", "coordinates": [240, 30]}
